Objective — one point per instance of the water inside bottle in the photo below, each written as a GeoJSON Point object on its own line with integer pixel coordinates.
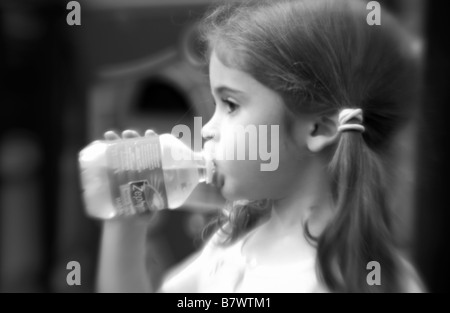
{"type": "Point", "coordinates": [180, 182]}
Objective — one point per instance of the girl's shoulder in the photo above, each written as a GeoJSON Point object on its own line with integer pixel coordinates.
{"type": "Point", "coordinates": [185, 276]}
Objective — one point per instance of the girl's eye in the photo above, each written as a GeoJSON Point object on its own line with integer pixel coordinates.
{"type": "Point", "coordinates": [231, 105]}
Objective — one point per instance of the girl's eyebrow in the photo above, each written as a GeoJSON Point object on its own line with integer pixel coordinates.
{"type": "Point", "coordinates": [224, 89]}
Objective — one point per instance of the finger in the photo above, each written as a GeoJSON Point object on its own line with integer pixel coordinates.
{"type": "Point", "coordinates": [130, 134]}
{"type": "Point", "coordinates": [110, 135]}
{"type": "Point", "coordinates": [149, 133]}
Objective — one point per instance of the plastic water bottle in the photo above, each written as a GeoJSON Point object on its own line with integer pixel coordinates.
{"type": "Point", "coordinates": [139, 175]}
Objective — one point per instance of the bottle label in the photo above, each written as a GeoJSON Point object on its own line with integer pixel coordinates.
{"type": "Point", "coordinates": [136, 175]}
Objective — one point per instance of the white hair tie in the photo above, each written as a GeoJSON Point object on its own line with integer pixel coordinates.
{"type": "Point", "coordinates": [348, 114]}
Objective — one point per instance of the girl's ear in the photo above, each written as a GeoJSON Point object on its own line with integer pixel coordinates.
{"type": "Point", "coordinates": [323, 132]}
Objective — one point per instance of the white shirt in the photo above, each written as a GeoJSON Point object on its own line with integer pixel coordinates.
{"type": "Point", "coordinates": [221, 269]}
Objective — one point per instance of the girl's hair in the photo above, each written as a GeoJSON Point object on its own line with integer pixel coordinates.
{"type": "Point", "coordinates": [322, 56]}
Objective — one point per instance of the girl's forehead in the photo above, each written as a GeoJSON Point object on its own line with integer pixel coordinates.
{"type": "Point", "coordinates": [244, 87]}
{"type": "Point", "coordinates": [221, 76]}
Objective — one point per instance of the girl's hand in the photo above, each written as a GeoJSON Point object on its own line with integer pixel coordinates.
{"type": "Point", "coordinates": [126, 134]}
{"type": "Point", "coordinates": [147, 217]}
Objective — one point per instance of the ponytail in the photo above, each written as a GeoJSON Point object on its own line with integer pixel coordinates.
{"type": "Point", "coordinates": [360, 231]}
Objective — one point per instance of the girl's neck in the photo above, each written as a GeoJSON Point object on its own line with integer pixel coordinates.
{"type": "Point", "coordinates": [310, 200]}
{"type": "Point", "coordinates": [281, 238]}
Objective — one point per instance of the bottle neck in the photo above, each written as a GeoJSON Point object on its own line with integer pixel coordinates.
{"type": "Point", "coordinates": [201, 167]}
{"type": "Point", "coordinates": [201, 174]}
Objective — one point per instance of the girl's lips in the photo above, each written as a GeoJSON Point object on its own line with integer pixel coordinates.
{"type": "Point", "coordinates": [214, 179]}
{"type": "Point", "coordinates": [217, 178]}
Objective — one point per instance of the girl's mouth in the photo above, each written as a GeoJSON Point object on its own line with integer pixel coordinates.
{"type": "Point", "coordinates": [217, 178]}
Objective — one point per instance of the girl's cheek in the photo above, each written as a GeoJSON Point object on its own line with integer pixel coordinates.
{"type": "Point", "coordinates": [239, 142]}
{"type": "Point", "coordinates": [225, 148]}
{"type": "Point", "coordinates": [242, 180]}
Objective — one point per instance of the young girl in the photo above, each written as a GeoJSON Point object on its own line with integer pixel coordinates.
{"type": "Point", "coordinates": [339, 90]}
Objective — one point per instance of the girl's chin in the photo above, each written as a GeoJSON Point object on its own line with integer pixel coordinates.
{"type": "Point", "coordinates": [230, 189]}
{"type": "Point", "coordinates": [230, 193]}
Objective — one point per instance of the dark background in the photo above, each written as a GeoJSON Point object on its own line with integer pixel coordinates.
{"type": "Point", "coordinates": [62, 86]}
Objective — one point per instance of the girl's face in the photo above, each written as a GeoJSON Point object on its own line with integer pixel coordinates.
{"type": "Point", "coordinates": [241, 102]}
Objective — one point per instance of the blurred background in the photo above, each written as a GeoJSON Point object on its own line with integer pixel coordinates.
{"type": "Point", "coordinates": [136, 64]}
